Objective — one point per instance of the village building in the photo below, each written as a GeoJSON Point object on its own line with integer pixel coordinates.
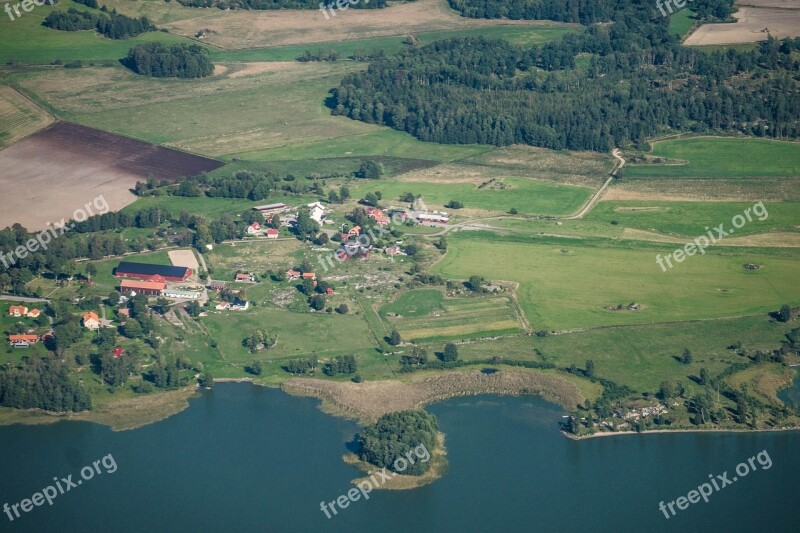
{"type": "Point", "coordinates": [218, 286]}
{"type": "Point", "coordinates": [246, 278]}
{"type": "Point", "coordinates": [151, 272]}
{"type": "Point", "coordinates": [355, 232]}
{"type": "Point", "coordinates": [272, 233]}
{"type": "Point", "coordinates": [317, 212]}
{"type": "Point", "coordinates": [150, 288]}
{"type": "Point", "coordinates": [292, 275]}
{"type": "Point", "coordinates": [22, 341]}
{"type": "Point", "coordinates": [91, 321]}
{"type": "Point", "coordinates": [254, 228]}
{"type": "Point", "coordinates": [181, 295]}
{"type": "Point", "coordinates": [33, 313]}
{"type": "Point", "coordinates": [118, 352]}
{"type": "Point", "coordinates": [270, 209]}
{"type": "Point", "coordinates": [17, 311]}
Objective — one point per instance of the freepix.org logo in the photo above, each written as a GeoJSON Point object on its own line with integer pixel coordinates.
{"type": "Point", "coordinates": [26, 5]}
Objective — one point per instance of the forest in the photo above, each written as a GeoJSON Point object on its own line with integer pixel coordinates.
{"type": "Point", "coordinates": [169, 61]}
{"type": "Point", "coordinates": [107, 23]}
{"type": "Point", "coordinates": [394, 435]}
{"type": "Point", "coordinates": [634, 81]}
{"type": "Point", "coordinates": [42, 383]}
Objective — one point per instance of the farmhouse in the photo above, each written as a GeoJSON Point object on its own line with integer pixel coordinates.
{"type": "Point", "coordinates": [91, 321]}
{"type": "Point", "coordinates": [378, 216]}
{"type": "Point", "coordinates": [33, 313]}
{"type": "Point", "coordinates": [309, 275]}
{"type": "Point", "coordinates": [17, 311]}
{"type": "Point", "coordinates": [254, 228]}
{"type": "Point", "coordinates": [22, 341]}
{"type": "Point", "coordinates": [292, 275]}
{"type": "Point", "coordinates": [151, 272]}
{"type": "Point", "coordinates": [150, 288]}
{"type": "Point", "coordinates": [241, 277]}
{"type": "Point", "coordinates": [272, 233]}
{"type": "Point", "coordinates": [317, 212]}
{"type": "Point", "coordinates": [270, 209]}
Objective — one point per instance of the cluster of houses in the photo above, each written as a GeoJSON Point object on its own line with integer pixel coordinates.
{"type": "Point", "coordinates": [257, 229]}
{"type": "Point", "coordinates": [23, 340]}
{"type": "Point", "coordinates": [316, 210]}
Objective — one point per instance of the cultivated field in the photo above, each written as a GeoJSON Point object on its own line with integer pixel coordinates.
{"type": "Point", "coordinates": [60, 169]}
{"type": "Point", "coordinates": [752, 24]}
{"type": "Point", "coordinates": [427, 315]}
{"type": "Point", "coordinates": [19, 117]}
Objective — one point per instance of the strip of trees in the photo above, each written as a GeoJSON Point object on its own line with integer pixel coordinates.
{"type": "Point", "coordinates": [108, 23]}
{"type": "Point", "coordinates": [179, 60]}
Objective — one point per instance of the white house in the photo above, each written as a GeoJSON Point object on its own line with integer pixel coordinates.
{"type": "Point", "coordinates": [254, 228]}
{"type": "Point", "coordinates": [317, 212]}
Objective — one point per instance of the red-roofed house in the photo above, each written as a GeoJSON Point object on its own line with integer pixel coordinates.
{"type": "Point", "coordinates": [17, 310]}
{"type": "Point", "coordinates": [91, 321]}
{"type": "Point", "coordinates": [309, 275]}
{"type": "Point", "coordinates": [355, 232]}
{"type": "Point", "coordinates": [22, 341]}
{"type": "Point", "coordinates": [272, 233]}
{"type": "Point", "coordinates": [292, 275]}
{"type": "Point", "coordinates": [118, 352]}
{"type": "Point", "coordinates": [33, 313]}
{"type": "Point", "coordinates": [253, 228]}
{"type": "Point", "coordinates": [329, 291]}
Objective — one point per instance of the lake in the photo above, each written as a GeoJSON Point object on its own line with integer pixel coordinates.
{"type": "Point", "coordinates": [248, 458]}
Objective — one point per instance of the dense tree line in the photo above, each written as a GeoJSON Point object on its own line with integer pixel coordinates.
{"type": "Point", "coordinates": [179, 60]}
{"type": "Point", "coordinates": [108, 23]}
{"type": "Point", "coordinates": [639, 82]}
{"type": "Point", "coordinates": [396, 434]}
{"type": "Point", "coordinates": [277, 4]}
{"type": "Point", "coordinates": [345, 364]}
{"type": "Point", "coordinates": [42, 383]}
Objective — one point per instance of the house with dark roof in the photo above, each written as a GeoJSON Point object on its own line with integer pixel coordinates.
{"type": "Point", "coordinates": [148, 272]}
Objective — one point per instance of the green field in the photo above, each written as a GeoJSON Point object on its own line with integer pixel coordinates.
{"type": "Point", "coordinates": [719, 157]}
{"type": "Point", "coordinates": [682, 21]}
{"type": "Point", "coordinates": [527, 196]}
{"type": "Point", "coordinates": [642, 356]}
{"type": "Point", "coordinates": [691, 218]}
{"type": "Point", "coordinates": [428, 317]}
{"type": "Point", "coordinates": [568, 285]}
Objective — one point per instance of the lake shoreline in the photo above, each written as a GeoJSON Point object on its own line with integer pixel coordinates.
{"type": "Point", "coordinates": [601, 434]}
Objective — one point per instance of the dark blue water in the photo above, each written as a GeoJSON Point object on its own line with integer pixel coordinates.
{"type": "Point", "coordinates": [246, 458]}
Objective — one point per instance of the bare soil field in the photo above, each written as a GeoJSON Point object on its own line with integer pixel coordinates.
{"type": "Point", "coordinates": [718, 190]}
{"type": "Point", "coordinates": [782, 21]}
{"type": "Point", "coordinates": [368, 401]}
{"type": "Point", "coordinates": [258, 29]}
{"type": "Point", "coordinates": [184, 258]}
{"type": "Point", "coordinates": [19, 117]}
{"type": "Point", "coordinates": [56, 171]}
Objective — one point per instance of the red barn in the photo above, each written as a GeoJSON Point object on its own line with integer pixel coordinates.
{"type": "Point", "coordinates": [150, 272]}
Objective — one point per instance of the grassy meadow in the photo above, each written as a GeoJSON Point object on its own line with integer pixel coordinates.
{"type": "Point", "coordinates": [569, 284]}
{"type": "Point", "coordinates": [720, 157]}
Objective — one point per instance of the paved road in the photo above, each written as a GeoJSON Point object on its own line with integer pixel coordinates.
{"type": "Point", "coordinates": [11, 298]}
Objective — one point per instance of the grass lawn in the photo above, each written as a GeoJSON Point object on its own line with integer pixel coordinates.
{"type": "Point", "coordinates": [681, 21]}
{"type": "Point", "coordinates": [567, 285]}
{"type": "Point", "coordinates": [299, 334]}
{"type": "Point", "coordinates": [691, 218]}
{"type": "Point", "coordinates": [527, 196]}
{"type": "Point", "coordinates": [720, 157]}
